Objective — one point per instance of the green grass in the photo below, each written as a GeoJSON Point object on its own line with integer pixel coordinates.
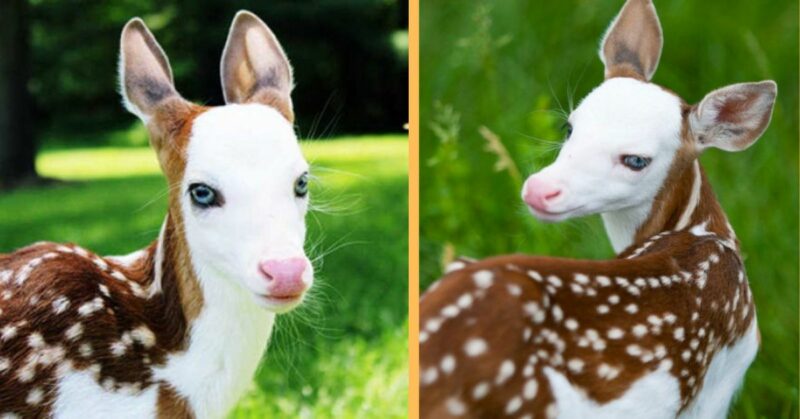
{"type": "Point", "coordinates": [508, 65]}
{"type": "Point", "coordinates": [344, 354]}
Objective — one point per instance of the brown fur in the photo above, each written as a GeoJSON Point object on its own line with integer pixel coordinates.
{"type": "Point", "coordinates": [171, 405]}
{"type": "Point", "coordinates": [669, 255]}
{"type": "Point", "coordinates": [149, 328]}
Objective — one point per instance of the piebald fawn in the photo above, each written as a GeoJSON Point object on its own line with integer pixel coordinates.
{"type": "Point", "coordinates": [665, 330]}
{"type": "Point", "coordinates": [176, 329]}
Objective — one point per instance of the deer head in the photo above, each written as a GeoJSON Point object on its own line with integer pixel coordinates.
{"type": "Point", "coordinates": [629, 137]}
{"type": "Point", "coordinates": [238, 180]}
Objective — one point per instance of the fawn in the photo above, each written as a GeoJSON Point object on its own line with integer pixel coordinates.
{"type": "Point", "coordinates": [665, 330]}
{"type": "Point", "coordinates": [176, 329]}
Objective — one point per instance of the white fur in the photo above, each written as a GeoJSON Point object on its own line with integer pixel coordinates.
{"type": "Point", "coordinates": [81, 397]}
{"type": "Point", "coordinates": [226, 344]}
{"type": "Point", "coordinates": [621, 116]}
{"type": "Point", "coordinates": [250, 154]}
{"type": "Point", "coordinates": [654, 396]}
{"type": "Point", "coordinates": [694, 199]}
{"type": "Point", "coordinates": [724, 377]}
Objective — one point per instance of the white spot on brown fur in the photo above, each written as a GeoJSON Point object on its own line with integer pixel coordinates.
{"type": "Point", "coordinates": [90, 307]}
{"type": "Point", "coordinates": [455, 406]}
{"type": "Point", "coordinates": [74, 331]}
{"type": "Point", "coordinates": [581, 279]}
{"type": "Point", "coordinates": [513, 405]}
{"type": "Point", "coordinates": [632, 308]}
{"type": "Point", "coordinates": [465, 301]}
{"type": "Point", "coordinates": [35, 340]}
{"type": "Point", "coordinates": [85, 350]}
{"type": "Point", "coordinates": [607, 372]}
{"type": "Point", "coordinates": [35, 396]}
{"type": "Point", "coordinates": [5, 364]}
{"type": "Point", "coordinates": [530, 389]}
{"type": "Point", "coordinates": [505, 372]}
{"type": "Point", "coordinates": [575, 365]}
{"type": "Point", "coordinates": [454, 266]}
{"type": "Point", "coordinates": [448, 364]}
{"type": "Point", "coordinates": [483, 279]}
{"type": "Point", "coordinates": [429, 376]}
{"type": "Point", "coordinates": [639, 330]}
{"type": "Point", "coordinates": [602, 309]}
{"type": "Point", "coordinates": [554, 281]}
{"type": "Point", "coordinates": [60, 304]}
{"type": "Point", "coordinates": [615, 333]}
{"type": "Point", "coordinates": [480, 390]}
{"type": "Point", "coordinates": [475, 347]}
{"type": "Point", "coordinates": [8, 332]}
{"type": "Point", "coordinates": [144, 336]}
{"type": "Point", "coordinates": [557, 313]}
{"type": "Point", "coordinates": [450, 311]}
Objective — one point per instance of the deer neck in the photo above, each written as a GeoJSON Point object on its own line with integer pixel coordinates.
{"type": "Point", "coordinates": [223, 333]}
{"type": "Point", "coordinates": [685, 201]}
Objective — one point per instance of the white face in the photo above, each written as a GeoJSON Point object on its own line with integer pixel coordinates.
{"type": "Point", "coordinates": [624, 137]}
{"type": "Point", "coordinates": [244, 203]}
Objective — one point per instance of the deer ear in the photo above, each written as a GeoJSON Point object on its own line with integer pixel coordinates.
{"type": "Point", "coordinates": [733, 117]}
{"type": "Point", "coordinates": [144, 72]}
{"type": "Point", "coordinates": [632, 44]}
{"type": "Point", "coordinates": [254, 67]}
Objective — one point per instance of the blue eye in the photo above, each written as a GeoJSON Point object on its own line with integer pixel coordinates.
{"type": "Point", "coordinates": [635, 163]}
{"type": "Point", "coordinates": [204, 196]}
{"type": "Point", "coordinates": [567, 127]}
{"type": "Point", "coordinates": [301, 186]}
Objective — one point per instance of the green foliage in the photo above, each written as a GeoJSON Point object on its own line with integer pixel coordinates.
{"type": "Point", "coordinates": [349, 58]}
{"type": "Point", "coordinates": [517, 67]}
{"type": "Point", "coordinates": [344, 353]}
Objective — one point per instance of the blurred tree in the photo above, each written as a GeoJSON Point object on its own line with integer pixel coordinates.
{"type": "Point", "coordinates": [17, 145]}
{"type": "Point", "coordinates": [350, 68]}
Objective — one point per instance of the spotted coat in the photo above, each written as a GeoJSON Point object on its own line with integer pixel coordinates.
{"type": "Point", "coordinates": [490, 329]}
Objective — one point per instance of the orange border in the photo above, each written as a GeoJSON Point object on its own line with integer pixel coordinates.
{"type": "Point", "coordinates": [413, 209]}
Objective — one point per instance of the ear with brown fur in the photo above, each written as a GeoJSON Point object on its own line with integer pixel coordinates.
{"type": "Point", "coordinates": [632, 45]}
{"type": "Point", "coordinates": [254, 68]}
{"type": "Point", "coordinates": [144, 71]}
{"type": "Point", "coordinates": [734, 117]}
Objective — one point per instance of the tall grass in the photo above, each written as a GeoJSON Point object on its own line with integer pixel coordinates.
{"type": "Point", "coordinates": [498, 79]}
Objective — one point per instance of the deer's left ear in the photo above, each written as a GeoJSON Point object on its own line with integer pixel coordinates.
{"type": "Point", "coordinates": [632, 45]}
{"type": "Point", "coordinates": [254, 67]}
{"type": "Point", "coordinates": [733, 117]}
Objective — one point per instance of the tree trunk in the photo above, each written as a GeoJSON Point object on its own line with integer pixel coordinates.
{"type": "Point", "coordinates": [17, 142]}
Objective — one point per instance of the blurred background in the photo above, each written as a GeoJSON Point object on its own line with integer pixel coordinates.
{"type": "Point", "coordinates": [75, 167]}
{"type": "Point", "coordinates": [498, 78]}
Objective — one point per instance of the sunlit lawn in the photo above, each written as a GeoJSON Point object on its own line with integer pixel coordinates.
{"type": "Point", "coordinates": [345, 353]}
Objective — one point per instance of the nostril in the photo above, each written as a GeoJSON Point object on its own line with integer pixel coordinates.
{"type": "Point", "coordinates": [552, 195]}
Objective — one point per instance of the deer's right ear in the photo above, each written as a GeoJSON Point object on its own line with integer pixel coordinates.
{"type": "Point", "coordinates": [733, 117]}
{"type": "Point", "coordinates": [254, 67]}
{"type": "Point", "coordinates": [632, 45]}
{"type": "Point", "coordinates": [144, 72]}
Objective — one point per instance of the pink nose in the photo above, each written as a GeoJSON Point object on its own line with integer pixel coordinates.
{"type": "Point", "coordinates": [284, 276]}
{"type": "Point", "coordinates": [539, 194]}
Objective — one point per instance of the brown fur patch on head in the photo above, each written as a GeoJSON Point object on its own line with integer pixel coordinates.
{"type": "Point", "coordinates": [675, 195]}
{"type": "Point", "coordinates": [170, 130]}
